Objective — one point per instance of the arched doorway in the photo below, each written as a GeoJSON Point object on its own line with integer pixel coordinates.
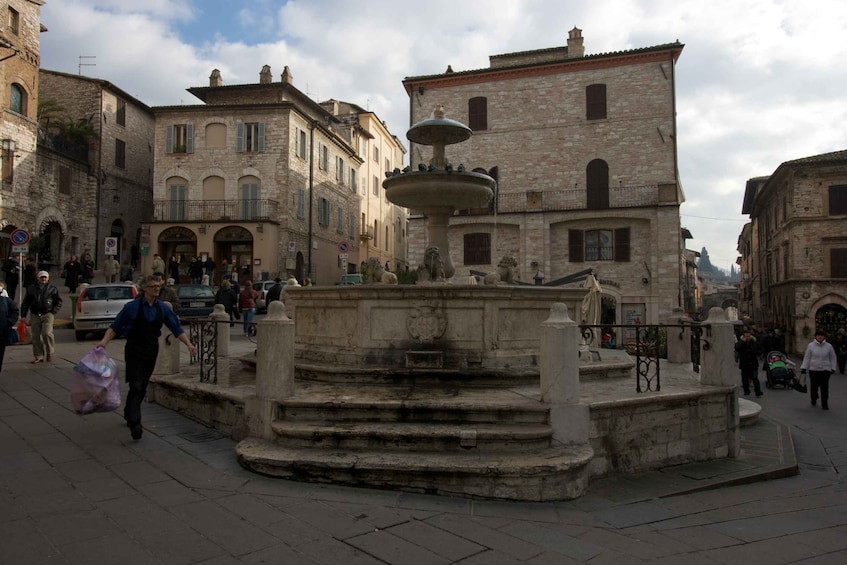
{"type": "Point", "coordinates": [234, 245]}
{"type": "Point", "coordinates": [831, 318]}
{"type": "Point", "coordinates": [178, 242]}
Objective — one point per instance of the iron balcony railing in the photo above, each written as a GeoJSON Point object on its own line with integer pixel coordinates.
{"type": "Point", "coordinates": [214, 210]}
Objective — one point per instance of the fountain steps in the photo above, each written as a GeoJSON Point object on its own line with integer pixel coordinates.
{"type": "Point", "coordinates": [392, 376]}
{"type": "Point", "coordinates": [556, 473]}
{"type": "Point", "coordinates": [470, 441]}
{"type": "Point", "coordinates": [413, 436]}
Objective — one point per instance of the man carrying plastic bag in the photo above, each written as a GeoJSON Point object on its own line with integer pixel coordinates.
{"type": "Point", "coordinates": [141, 322]}
{"type": "Point", "coordinates": [94, 385]}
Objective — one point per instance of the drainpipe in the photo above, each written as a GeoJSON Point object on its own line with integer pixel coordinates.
{"type": "Point", "coordinates": [311, 186]}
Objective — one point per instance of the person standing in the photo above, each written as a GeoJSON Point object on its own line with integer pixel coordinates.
{"type": "Point", "coordinates": [195, 270]}
{"type": "Point", "coordinates": [747, 357]}
{"type": "Point", "coordinates": [87, 273]}
{"type": "Point", "coordinates": [158, 263]}
{"type": "Point", "coordinates": [173, 265]}
{"type": "Point", "coordinates": [111, 269]}
{"type": "Point", "coordinates": [41, 302]}
{"type": "Point", "coordinates": [227, 297]}
{"type": "Point", "coordinates": [209, 269]}
{"type": "Point", "coordinates": [274, 292]}
{"type": "Point", "coordinates": [840, 346]}
{"type": "Point", "coordinates": [247, 304]}
{"type": "Point", "coordinates": [30, 271]}
{"type": "Point", "coordinates": [134, 256]}
{"type": "Point", "coordinates": [141, 322]}
{"type": "Point", "coordinates": [72, 270]}
{"type": "Point", "coordinates": [126, 271]}
{"type": "Point", "coordinates": [9, 313]}
{"type": "Point", "coordinates": [12, 268]}
{"type": "Point", "coordinates": [820, 361]}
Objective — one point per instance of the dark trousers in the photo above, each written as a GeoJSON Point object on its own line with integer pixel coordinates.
{"type": "Point", "coordinates": [751, 374]}
{"type": "Point", "coordinates": [2, 351]}
{"type": "Point", "coordinates": [140, 363]}
{"type": "Point", "coordinates": [819, 380]}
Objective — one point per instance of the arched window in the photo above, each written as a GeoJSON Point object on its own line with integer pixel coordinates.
{"type": "Point", "coordinates": [17, 99]}
{"type": "Point", "coordinates": [595, 102]}
{"type": "Point", "coordinates": [478, 113]}
{"type": "Point", "coordinates": [597, 182]}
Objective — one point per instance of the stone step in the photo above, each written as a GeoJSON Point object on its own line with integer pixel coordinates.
{"type": "Point", "coordinates": [408, 377]}
{"type": "Point", "coordinates": [334, 404]}
{"type": "Point", "coordinates": [555, 473]}
{"type": "Point", "coordinates": [414, 436]}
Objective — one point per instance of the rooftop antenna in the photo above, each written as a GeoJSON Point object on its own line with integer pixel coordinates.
{"type": "Point", "coordinates": [81, 64]}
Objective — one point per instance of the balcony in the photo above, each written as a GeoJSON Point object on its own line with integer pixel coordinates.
{"type": "Point", "coordinates": [215, 210]}
{"type": "Point", "coordinates": [575, 199]}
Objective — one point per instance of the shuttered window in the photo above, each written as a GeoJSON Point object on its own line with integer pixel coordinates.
{"type": "Point", "coordinates": [575, 250]}
{"type": "Point", "coordinates": [838, 199]}
{"type": "Point", "coordinates": [838, 263]}
{"type": "Point", "coordinates": [595, 102]}
{"type": "Point", "coordinates": [477, 247]}
{"type": "Point", "coordinates": [597, 185]}
{"type": "Point", "coordinates": [478, 113]}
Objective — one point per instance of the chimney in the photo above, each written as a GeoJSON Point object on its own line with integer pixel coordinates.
{"type": "Point", "coordinates": [286, 76]}
{"type": "Point", "coordinates": [265, 75]}
{"type": "Point", "coordinates": [575, 46]}
{"type": "Point", "coordinates": [215, 78]}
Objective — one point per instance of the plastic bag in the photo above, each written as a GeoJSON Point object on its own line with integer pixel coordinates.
{"type": "Point", "coordinates": [95, 386]}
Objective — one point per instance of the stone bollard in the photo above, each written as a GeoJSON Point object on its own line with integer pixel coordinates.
{"type": "Point", "coordinates": [560, 337]}
{"type": "Point", "coordinates": [221, 321]}
{"type": "Point", "coordinates": [167, 363]}
{"type": "Point", "coordinates": [274, 369]}
{"type": "Point", "coordinates": [679, 339]}
{"type": "Point", "coordinates": [718, 368]}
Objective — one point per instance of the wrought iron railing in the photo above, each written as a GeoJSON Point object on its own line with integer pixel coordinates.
{"type": "Point", "coordinates": [203, 332]}
{"type": "Point", "coordinates": [215, 210]}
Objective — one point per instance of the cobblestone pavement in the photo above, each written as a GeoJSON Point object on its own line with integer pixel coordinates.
{"type": "Point", "coordinates": [79, 490]}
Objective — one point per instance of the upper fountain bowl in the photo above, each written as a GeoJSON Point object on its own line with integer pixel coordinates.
{"type": "Point", "coordinates": [438, 130]}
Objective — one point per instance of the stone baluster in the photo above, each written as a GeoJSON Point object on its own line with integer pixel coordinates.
{"type": "Point", "coordinates": [718, 368]}
{"type": "Point", "coordinates": [679, 339]}
{"type": "Point", "coordinates": [274, 369]}
{"type": "Point", "coordinates": [560, 337]}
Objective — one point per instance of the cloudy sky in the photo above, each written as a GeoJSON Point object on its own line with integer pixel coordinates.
{"type": "Point", "coordinates": [759, 82]}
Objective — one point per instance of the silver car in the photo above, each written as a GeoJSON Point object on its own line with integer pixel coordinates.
{"type": "Point", "coordinates": [262, 289]}
{"type": "Point", "coordinates": [98, 305]}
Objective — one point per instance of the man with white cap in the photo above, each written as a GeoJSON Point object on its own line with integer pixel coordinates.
{"type": "Point", "coordinates": [41, 302]}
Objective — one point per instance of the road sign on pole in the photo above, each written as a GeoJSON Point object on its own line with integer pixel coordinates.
{"type": "Point", "coordinates": [111, 246]}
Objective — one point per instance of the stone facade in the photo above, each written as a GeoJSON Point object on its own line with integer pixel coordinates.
{"type": "Point", "coordinates": [795, 249]}
{"type": "Point", "coordinates": [541, 148]}
{"type": "Point", "coordinates": [119, 159]}
{"type": "Point", "coordinates": [297, 162]}
{"type": "Point", "coordinates": [19, 50]}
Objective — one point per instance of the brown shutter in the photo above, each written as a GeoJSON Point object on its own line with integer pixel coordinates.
{"type": "Point", "coordinates": [622, 245]}
{"type": "Point", "coordinates": [478, 113]}
{"type": "Point", "coordinates": [575, 246]}
{"type": "Point", "coordinates": [838, 263]}
{"type": "Point", "coordinates": [595, 102]}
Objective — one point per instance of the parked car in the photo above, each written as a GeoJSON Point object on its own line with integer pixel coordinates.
{"type": "Point", "coordinates": [195, 300]}
{"type": "Point", "coordinates": [98, 305]}
{"type": "Point", "coordinates": [351, 279]}
{"type": "Point", "coordinates": [262, 289]}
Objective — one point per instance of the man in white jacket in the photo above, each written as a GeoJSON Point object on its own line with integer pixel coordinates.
{"type": "Point", "coordinates": [820, 360]}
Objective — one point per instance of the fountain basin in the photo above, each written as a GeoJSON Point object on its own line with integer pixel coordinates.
{"type": "Point", "coordinates": [421, 190]}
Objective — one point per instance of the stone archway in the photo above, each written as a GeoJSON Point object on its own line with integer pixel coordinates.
{"type": "Point", "coordinates": [178, 241]}
{"type": "Point", "coordinates": [830, 318]}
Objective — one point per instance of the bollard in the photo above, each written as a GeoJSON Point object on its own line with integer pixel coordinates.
{"type": "Point", "coordinates": [560, 339]}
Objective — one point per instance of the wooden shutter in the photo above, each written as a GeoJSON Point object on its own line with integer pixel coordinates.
{"type": "Point", "coordinates": [838, 263]}
{"type": "Point", "coordinates": [169, 139]}
{"type": "Point", "coordinates": [622, 245]}
{"type": "Point", "coordinates": [595, 102]}
{"type": "Point", "coordinates": [189, 138]}
{"type": "Point", "coordinates": [478, 113]}
{"type": "Point", "coordinates": [239, 138]}
{"type": "Point", "coordinates": [261, 146]}
{"type": "Point", "coordinates": [576, 252]}
{"type": "Point", "coordinates": [837, 199]}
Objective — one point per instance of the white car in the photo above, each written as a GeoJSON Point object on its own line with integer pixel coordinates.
{"type": "Point", "coordinates": [98, 305]}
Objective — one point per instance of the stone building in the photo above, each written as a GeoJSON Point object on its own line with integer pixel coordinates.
{"type": "Point", "coordinates": [383, 225]}
{"type": "Point", "coordinates": [112, 142]}
{"type": "Point", "coordinates": [584, 151]}
{"type": "Point", "coordinates": [794, 258]}
{"type": "Point", "coordinates": [259, 176]}
{"type": "Point", "coordinates": [19, 62]}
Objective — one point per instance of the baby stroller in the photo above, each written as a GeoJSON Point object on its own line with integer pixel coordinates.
{"type": "Point", "coordinates": [780, 371]}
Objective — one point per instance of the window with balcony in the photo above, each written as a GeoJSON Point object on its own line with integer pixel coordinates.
{"type": "Point", "coordinates": [595, 102]}
{"type": "Point", "coordinates": [599, 245]}
{"type": "Point", "coordinates": [597, 185]}
{"type": "Point", "coordinates": [179, 138]}
{"type": "Point", "coordinates": [250, 137]}
{"type": "Point", "coordinates": [249, 197]}
{"type": "Point", "coordinates": [120, 154]}
{"type": "Point", "coordinates": [478, 113]}
{"type": "Point", "coordinates": [176, 201]}
{"type": "Point", "coordinates": [477, 249]}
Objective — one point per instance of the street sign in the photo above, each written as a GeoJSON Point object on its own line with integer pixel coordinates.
{"type": "Point", "coordinates": [19, 237]}
{"type": "Point", "coordinates": [20, 249]}
{"type": "Point", "coordinates": [292, 246]}
{"type": "Point", "coordinates": [343, 246]}
{"type": "Point", "coordinates": [111, 246]}
{"type": "Point", "coordinates": [344, 256]}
